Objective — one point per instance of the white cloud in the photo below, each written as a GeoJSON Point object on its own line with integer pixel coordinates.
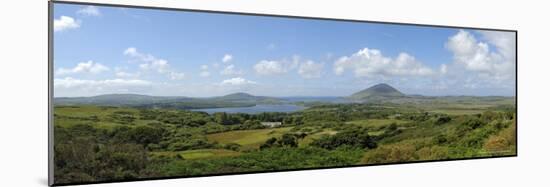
{"type": "Point", "coordinates": [89, 11]}
{"type": "Point", "coordinates": [237, 81]}
{"type": "Point", "coordinates": [204, 71]}
{"type": "Point", "coordinates": [466, 50]}
{"type": "Point", "coordinates": [149, 62]}
{"type": "Point", "coordinates": [65, 23]}
{"type": "Point", "coordinates": [310, 69]}
{"type": "Point", "coordinates": [269, 67]}
{"type": "Point", "coordinates": [443, 69]}
{"type": "Point", "coordinates": [371, 63]}
{"type": "Point", "coordinates": [158, 65]}
{"type": "Point", "coordinates": [204, 74]}
{"type": "Point", "coordinates": [230, 70]}
{"type": "Point", "coordinates": [505, 42]}
{"type": "Point", "coordinates": [139, 57]}
{"type": "Point", "coordinates": [131, 51]}
{"type": "Point", "coordinates": [78, 87]}
{"type": "Point", "coordinates": [227, 58]}
{"type": "Point", "coordinates": [84, 67]}
{"type": "Point", "coordinates": [123, 74]}
{"type": "Point", "coordinates": [305, 68]}
{"type": "Point", "coordinates": [478, 57]}
{"type": "Point", "coordinates": [176, 76]}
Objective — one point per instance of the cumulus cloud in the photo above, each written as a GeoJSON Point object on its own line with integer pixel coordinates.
{"type": "Point", "coordinates": [227, 58]}
{"type": "Point", "coordinates": [230, 70]}
{"type": "Point", "coordinates": [305, 68]}
{"type": "Point", "coordinates": [138, 57]}
{"type": "Point", "coordinates": [149, 62]}
{"type": "Point", "coordinates": [505, 42]}
{"type": "Point", "coordinates": [89, 11]}
{"type": "Point", "coordinates": [131, 51]}
{"type": "Point", "coordinates": [158, 65]}
{"type": "Point", "coordinates": [478, 57]}
{"type": "Point", "coordinates": [78, 87]}
{"type": "Point", "coordinates": [65, 23]}
{"type": "Point", "coordinates": [83, 67]}
{"type": "Point", "coordinates": [237, 81]}
{"type": "Point", "coordinates": [372, 63]}
{"type": "Point", "coordinates": [270, 67]}
{"type": "Point", "coordinates": [310, 69]}
{"type": "Point", "coordinates": [275, 67]}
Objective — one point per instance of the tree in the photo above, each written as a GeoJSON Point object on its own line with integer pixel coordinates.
{"type": "Point", "coordinates": [269, 143]}
{"type": "Point", "coordinates": [146, 135]}
{"type": "Point", "coordinates": [442, 120]}
{"type": "Point", "coordinates": [288, 140]}
{"type": "Point", "coordinates": [222, 118]}
{"type": "Point", "coordinates": [232, 146]}
{"type": "Point", "coordinates": [392, 127]}
{"type": "Point", "coordinates": [252, 124]}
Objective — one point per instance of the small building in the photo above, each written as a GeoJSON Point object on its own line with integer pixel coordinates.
{"type": "Point", "coordinates": [271, 124]}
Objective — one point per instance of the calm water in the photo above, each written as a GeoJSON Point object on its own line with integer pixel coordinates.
{"type": "Point", "coordinates": [254, 109]}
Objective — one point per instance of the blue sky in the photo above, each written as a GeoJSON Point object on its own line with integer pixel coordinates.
{"type": "Point", "coordinates": [103, 50]}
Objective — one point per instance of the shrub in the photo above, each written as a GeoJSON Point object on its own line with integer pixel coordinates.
{"type": "Point", "coordinates": [355, 137]}
{"type": "Point", "coordinates": [232, 146]}
{"type": "Point", "coordinates": [390, 154]}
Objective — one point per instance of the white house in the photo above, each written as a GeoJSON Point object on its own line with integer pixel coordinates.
{"type": "Point", "coordinates": [271, 124]}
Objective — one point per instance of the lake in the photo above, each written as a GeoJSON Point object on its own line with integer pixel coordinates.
{"type": "Point", "coordinates": [254, 109]}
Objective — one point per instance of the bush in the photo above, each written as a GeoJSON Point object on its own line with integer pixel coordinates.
{"type": "Point", "coordinates": [355, 137]}
{"type": "Point", "coordinates": [287, 140]}
{"type": "Point", "coordinates": [433, 153]}
{"type": "Point", "coordinates": [440, 139]}
{"type": "Point", "coordinates": [442, 120]}
{"type": "Point", "coordinates": [390, 154]}
{"type": "Point", "coordinates": [189, 144]}
{"type": "Point", "coordinates": [276, 158]}
{"type": "Point", "coordinates": [232, 146]}
{"type": "Point", "coordinates": [140, 135]}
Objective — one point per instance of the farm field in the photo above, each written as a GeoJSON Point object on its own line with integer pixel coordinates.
{"type": "Point", "coordinates": [248, 139]}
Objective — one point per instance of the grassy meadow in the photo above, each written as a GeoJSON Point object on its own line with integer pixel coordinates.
{"type": "Point", "coordinates": [98, 143]}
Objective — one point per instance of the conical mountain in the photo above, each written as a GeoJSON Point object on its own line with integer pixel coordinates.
{"type": "Point", "coordinates": [376, 91]}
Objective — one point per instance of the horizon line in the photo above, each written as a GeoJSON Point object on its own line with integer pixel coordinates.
{"type": "Point", "coordinates": [279, 96]}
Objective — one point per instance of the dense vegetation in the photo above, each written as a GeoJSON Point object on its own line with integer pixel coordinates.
{"type": "Point", "coordinates": [98, 143]}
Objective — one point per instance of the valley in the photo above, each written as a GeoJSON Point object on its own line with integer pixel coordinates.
{"type": "Point", "coordinates": [114, 137]}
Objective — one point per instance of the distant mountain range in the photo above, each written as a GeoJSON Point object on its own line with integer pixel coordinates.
{"type": "Point", "coordinates": [119, 99]}
{"type": "Point", "coordinates": [245, 97]}
{"type": "Point", "coordinates": [179, 102]}
{"type": "Point", "coordinates": [374, 94]}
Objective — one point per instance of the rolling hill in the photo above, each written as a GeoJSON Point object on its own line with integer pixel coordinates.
{"type": "Point", "coordinates": [178, 102]}
{"type": "Point", "coordinates": [118, 99]}
{"type": "Point", "coordinates": [247, 98]}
